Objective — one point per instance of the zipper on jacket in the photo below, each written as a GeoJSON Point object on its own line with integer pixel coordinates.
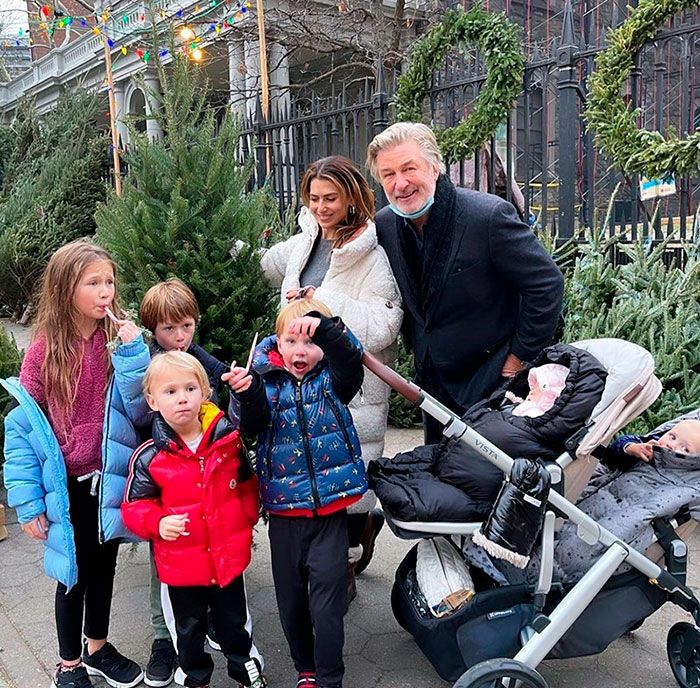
{"type": "Point", "coordinates": [341, 423]}
{"type": "Point", "coordinates": [268, 453]}
{"type": "Point", "coordinates": [105, 442]}
{"type": "Point", "coordinates": [307, 448]}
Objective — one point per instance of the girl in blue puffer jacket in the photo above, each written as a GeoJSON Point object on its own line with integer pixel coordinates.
{"type": "Point", "coordinates": [310, 469]}
{"type": "Point", "coordinates": [67, 447]}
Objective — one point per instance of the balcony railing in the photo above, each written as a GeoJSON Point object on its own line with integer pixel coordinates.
{"type": "Point", "coordinates": [69, 62]}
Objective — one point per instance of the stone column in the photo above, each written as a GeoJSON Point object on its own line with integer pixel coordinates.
{"type": "Point", "coordinates": [153, 129]}
{"type": "Point", "coordinates": [279, 74]}
{"type": "Point", "coordinates": [122, 132]}
{"type": "Point", "coordinates": [237, 74]}
{"type": "Point", "coordinates": [280, 106]}
{"type": "Point", "coordinates": [252, 76]}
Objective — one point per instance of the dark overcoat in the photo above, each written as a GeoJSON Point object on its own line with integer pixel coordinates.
{"type": "Point", "coordinates": [488, 287]}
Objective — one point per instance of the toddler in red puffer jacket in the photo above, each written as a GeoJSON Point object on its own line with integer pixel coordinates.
{"type": "Point", "coordinates": [192, 492]}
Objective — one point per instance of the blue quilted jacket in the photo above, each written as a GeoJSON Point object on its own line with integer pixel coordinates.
{"type": "Point", "coordinates": [308, 452]}
{"type": "Point", "coordinates": [35, 472]}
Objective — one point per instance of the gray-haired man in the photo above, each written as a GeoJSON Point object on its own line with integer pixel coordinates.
{"type": "Point", "coordinates": [481, 294]}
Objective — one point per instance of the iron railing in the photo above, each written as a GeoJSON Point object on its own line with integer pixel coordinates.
{"type": "Point", "coordinates": [545, 145]}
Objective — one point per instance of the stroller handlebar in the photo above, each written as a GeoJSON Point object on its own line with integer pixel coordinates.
{"type": "Point", "coordinates": [406, 389]}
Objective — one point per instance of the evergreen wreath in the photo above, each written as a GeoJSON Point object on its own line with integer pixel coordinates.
{"type": "Point", "coordinates": [614, 122]}
{"type": "Point", "coordinates": [496, 38]}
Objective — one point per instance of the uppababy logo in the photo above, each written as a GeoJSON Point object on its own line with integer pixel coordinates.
{"type": "Point", "coordinates": [499, 615]}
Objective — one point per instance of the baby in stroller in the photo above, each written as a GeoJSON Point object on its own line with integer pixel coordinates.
{"type": "Point", "coordinates": [641, 479]}
{"type": "Point", "coordinates": [528, 622]}
{"type": "Point", "coordinates": [531, 417]}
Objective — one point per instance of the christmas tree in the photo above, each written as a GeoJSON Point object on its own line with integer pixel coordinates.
{"type": "Point", "coordinates": [52, 178]}
{"type": "Point", "coordinates": [10, 361]}
{"type": "Point", "coordinates": [186, 212]}
{"type": "Point", "coordinates": [646, 302]}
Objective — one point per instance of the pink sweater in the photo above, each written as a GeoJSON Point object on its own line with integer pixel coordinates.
{"type": "Point", "coordinates": [79, 433]}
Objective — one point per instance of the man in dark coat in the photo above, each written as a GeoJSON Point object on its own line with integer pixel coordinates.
{"type": "Point", "coordinates": [481, 295]}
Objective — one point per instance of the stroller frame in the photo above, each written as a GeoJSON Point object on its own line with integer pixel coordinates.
{"type": "Point", "coordinates": [545, 632]}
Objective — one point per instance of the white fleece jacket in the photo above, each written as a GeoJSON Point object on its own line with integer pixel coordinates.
{"type": "Point", "coordinates": [359, 287]}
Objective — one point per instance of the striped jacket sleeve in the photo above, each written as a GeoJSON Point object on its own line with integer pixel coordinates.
{"type": "Point", "coordinates": [141, 508]}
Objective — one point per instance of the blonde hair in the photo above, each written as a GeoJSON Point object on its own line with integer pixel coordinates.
{"type": "Point", "coordinates": [179, 360]}
{"type": "Point", "coordinates": [400, 133]}
{"type": "Point", "coordinates": [298, 309]}
{"type": "Point", "coordinates": [57, 322]}
{"type": "Point", "coordinates": [171, 301]}
{"type": "Point", "coordinates": [352, 186]}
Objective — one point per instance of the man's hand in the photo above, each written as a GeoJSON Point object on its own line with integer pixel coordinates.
{"type": "Point", "coordinates": [511, 366]}
{"type": "Point", "coordinates": [171, 527]}
{"type": "Point", "coordinates": [128, 331]}
{"type": "Point", "coordinates": [239, 379]}
{"type": "Point", "coordinates": [641, 450]}
{"type": "Point", "coordinates": [37, 528]}
{"type": "Point", "coordinates": [304, 326]}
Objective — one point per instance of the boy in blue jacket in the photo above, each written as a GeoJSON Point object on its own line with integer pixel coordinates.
{"type": "Point", "coordinates": [310, 469]}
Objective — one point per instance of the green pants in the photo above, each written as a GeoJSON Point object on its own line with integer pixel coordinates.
{"type": "Point", "coordinates": [160, 630]}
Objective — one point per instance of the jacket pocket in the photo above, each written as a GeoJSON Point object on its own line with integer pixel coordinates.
{"type": "Point", "coordinates": [462, 265]}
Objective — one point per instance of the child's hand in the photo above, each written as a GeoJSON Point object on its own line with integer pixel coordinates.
{"type": "Point", "coordinates": [171, 527]}
{"type": "Point", "coordinates": [128, 331]}
{"type": "Point", "coordinates": [304, 326]}
{"type": "Point", "coordinates": [37, 528]}
{"type": "Point", "coordinates": [239, 379]}
{"type": "Point", "coordinates": [641, 450]}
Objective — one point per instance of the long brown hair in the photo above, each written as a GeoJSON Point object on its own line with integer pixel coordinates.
{"type": "Point", "coordinates": [57, 321]}
{"type": "Point", "coordinates": [353, 188]}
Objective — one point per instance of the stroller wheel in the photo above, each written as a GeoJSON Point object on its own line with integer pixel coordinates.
{"type": "Point", "coordinates": [500, 673]}
{"type": "Point", "coordinates": [683, 648]}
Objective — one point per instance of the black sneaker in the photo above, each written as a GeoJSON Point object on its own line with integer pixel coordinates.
{"type": "Point", "coordinates": [260, 682]}
{"type": "Point", "coordinates": [115, 668]}
{"type": "Point", "coordinates": [161, 664]}
{"type": "Point", "coordinates": [75, 678]}
{"type": "Point", "coordinates": [255, 678]}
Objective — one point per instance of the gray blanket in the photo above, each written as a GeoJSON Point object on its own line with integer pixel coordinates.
{"type": "Point", "coordinates": [622, 502]}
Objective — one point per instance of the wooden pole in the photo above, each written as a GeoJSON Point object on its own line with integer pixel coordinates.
{"type": "Point", "coordinates": [264, 77]}
{"type": "Point", "coordinates": [263, 59]}
{"type": "Point", "coordinates": [112, 117]}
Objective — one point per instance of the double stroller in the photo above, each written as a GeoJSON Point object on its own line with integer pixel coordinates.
{"type": "Point", "coordinates": [502, 633]}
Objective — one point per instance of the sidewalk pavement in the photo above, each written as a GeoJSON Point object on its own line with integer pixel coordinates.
{"type": "Point", "coordinates": [379, 654]}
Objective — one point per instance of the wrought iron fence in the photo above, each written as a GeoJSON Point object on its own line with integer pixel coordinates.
{"type": "Point", "coordinates": [545, 147]}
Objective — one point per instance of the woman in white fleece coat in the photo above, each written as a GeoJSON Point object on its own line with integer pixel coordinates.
{"type": "Point", "coordinates": [336, 259]}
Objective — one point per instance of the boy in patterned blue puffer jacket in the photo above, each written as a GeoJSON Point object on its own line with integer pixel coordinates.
{"type": "Point", "coordinates": [310, 469]}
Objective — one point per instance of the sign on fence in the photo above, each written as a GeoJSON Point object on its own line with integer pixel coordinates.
{"type": "Point", "coordinates": [656, 188]}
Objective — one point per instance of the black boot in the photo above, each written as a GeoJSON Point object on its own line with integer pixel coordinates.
{"type": "Point", "coordinates": [375, 522]}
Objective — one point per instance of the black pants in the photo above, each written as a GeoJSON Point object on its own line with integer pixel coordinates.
{"type": "Point", "coordinates": [309, 562]}
{"type": "Point", "coordinates": [229, 613]}
{"type": "Point", "coordinates": [356, 526]}
{"type": "Point", "coordinates": [91, 596]}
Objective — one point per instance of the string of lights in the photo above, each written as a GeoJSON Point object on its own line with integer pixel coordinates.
{"type": "Point", "coordinates": [193, 28]}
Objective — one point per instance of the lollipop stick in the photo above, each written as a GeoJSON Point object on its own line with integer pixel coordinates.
{"type": "Point", "coordinates": [111, 316]}
{"type": "Point", "coordinates": [252, 351]}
